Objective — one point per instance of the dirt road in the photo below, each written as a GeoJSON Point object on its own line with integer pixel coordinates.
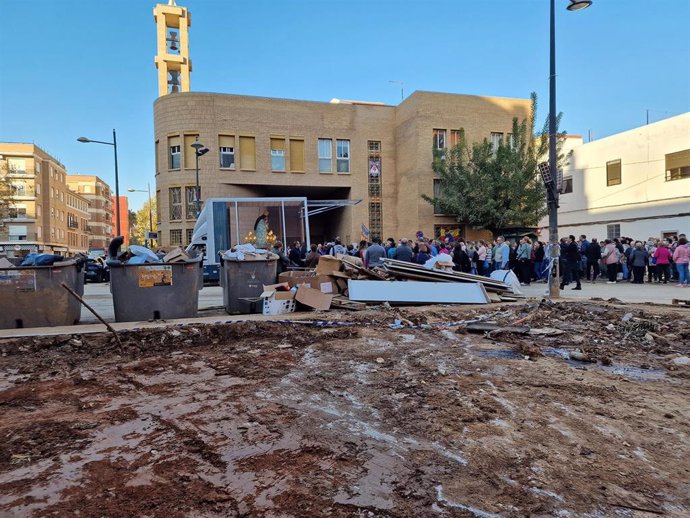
{"type": "Point", "coordinates": [380, 413]}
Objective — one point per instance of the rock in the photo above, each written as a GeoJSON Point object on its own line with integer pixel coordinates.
{"type": "Point", "coordinates": [627, 316]}
{"type": "Point", "coordinates": [681, 360]}
{"type": "Point", "coordinates": [649, 337]}
{"type": "Point", "coordinates": [380, 360]}
{"type": "Point", "coordinates": [174, 333]}
{"type": "Point", "coordinates": [611, 327]}
{"type": "Point", "coordinates": [580, 356]}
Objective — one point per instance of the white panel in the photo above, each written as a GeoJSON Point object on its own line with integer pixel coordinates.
{"type": "Point", "coordinates": [417, 292]}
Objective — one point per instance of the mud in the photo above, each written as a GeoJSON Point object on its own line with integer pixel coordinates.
{"type": "Point", "coordinates": [350, 417]}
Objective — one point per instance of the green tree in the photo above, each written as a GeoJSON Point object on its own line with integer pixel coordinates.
{"type": "Point", "coordinates": [141, 225]}
{"type": "Point", "coordinates": [498, 188]}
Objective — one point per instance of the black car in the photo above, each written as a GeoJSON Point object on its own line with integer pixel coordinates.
{"type": "Point", "coordinates": [96, 270]}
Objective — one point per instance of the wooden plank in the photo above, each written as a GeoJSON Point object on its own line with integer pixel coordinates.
{"type": "Point", "coordinates": [345, 303]}
{"type": "Point", "coordinates": [414, 292]}
{"type": "Point", "coordinates": [393, 265]}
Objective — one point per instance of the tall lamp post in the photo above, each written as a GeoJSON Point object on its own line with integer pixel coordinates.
{"type": "Point", "coordinates": [199, 150]}
{"type": "Point", "coordinates": [148, 189]}
{"type": "Point", "coordinates": [85, 140]}
{"type": "Point", "coordinates": [551, 186]}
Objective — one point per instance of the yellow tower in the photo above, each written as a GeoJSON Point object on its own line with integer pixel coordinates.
{"type": "Point", "coordinates": [172, 60]}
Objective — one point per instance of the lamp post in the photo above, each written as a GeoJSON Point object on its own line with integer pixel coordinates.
{"type": "Point", "coordinates": [148, 189]}
{"type": "Point", "coordinates": [85, 140]}
{"type": "Point", "coordinates": [551, 186]}
{"type": "Point", "coordinates": [199, 150]}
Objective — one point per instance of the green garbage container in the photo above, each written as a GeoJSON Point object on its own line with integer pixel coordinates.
{"type": "Point", "coordinates": [155, 291]}
{"type": "Point", "coordinates": [32, 296]}
{"type": "Point", "coordinates": [243, 283]}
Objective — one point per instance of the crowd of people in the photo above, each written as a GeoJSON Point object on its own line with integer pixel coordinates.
{"type": "Point", "coordinates": [622, 259]}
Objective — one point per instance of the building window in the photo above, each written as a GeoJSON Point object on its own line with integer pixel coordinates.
{"type": "Point", "coordinates": [613, 172]}
{"type": "Point", "coordinates": [38, 188]}
{"type": "Point", "coordinates": [454, 138]}
{"type": "Point", "coordinates": [567, 186]}
{"type": "Point", "coordinates": [155, 157]}
{"type": "Point", "coordinates": [278, 154]}
{"type": "Point", "coordinates": [174, 155]}
{"type": "Point", "coordinates": [16, 165]}
{"type": "Point", "coordinates": [325, 155]}
{"type": "Point", "coordinates": [496, 139]}
{"type": "Point", "coordinates": [176, 237]}
{"type": "Point", "coordinates": [226, 146]}
{"type": "Point", "coordinates": [342, 155]}
{"type": "Point", "coordinates": [613, 231]}
{"type": "Point", "coordinates": [247, 154]}
{"type": "Point", "coordinates": [175, 203]}
{"type": "Point", "coordinates": [297, 155]}
{"type": "Point", "coordinates": [439, 139]}
{"type": "Point", "coordinates": [678, 165]}
{"type": "Point", "coordinates": [190, 202]}
{"type": "Point", "coordinates": [188, 236]}
{"type": "Point", "coordinates": [39, 211]}
{"type": "Point", "coordinates": [375, 198]}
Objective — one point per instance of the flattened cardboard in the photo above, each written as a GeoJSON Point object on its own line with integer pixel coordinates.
{"type": "Point", "coordinates": [323, 283]}
{"type": "Point", "coordinates": [313, 298]}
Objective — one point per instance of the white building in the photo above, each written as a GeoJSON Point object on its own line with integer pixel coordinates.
{"type": "Point", "coordinates": [634, 184]}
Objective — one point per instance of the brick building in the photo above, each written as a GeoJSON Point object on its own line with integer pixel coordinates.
{"type": "Point", "coordinates": [124, 219]}
{"type": "Point", "coordinates": [370, 161]}
{"type": "Point", "coordinates": [44, 215]}
{"type": "Point", "coordinates": [98, 194]}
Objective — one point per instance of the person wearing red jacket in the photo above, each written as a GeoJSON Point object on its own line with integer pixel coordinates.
{"type": "Point", "coordinates": [663, 262]}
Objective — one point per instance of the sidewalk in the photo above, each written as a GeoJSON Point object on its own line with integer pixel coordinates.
{"type": "Point", "coordinates": [623, 291]}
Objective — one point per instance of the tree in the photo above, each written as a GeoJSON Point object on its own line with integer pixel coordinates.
{"type": "Point", "coordinates": [495, 188]}
{"type": "Point", "coordinates": [141, 225]}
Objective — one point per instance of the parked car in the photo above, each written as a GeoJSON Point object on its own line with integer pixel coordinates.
{"type": "Point", "coordinates": [96, 270]}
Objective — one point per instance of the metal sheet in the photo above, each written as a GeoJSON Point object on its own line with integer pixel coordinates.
{"type": "Point", "coordinates": [417, 292]}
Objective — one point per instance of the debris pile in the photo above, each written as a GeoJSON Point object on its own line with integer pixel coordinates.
{"type": "Point", "coordinates": [248, 252]}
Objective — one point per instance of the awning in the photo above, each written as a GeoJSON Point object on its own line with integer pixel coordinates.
{"type": "Point", "coordinates": [319, 206]}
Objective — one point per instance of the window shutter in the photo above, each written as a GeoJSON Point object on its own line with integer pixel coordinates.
{"type": "Point", "coordinates": [297, 155]}
{"type": "Point", "coordinates": [247, 153]}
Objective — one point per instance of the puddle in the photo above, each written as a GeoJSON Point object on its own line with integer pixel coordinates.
{"type": "Point", "coordinates": [499, 353]}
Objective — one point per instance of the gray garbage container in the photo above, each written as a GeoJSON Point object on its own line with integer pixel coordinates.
{"type": "Point", "coordinates": [32, 296]}
{"type": "Point", "coordinates": [243, 282]}
{"type": "Point", "coordinates": [156, 290]}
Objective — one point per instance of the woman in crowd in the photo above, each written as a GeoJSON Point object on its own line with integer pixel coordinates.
{"type": "Point", "coordinates": [638, 260]}
{"type": "Point", "coordinates": [662, 258]}
{"type": "Point", "coordinates": [538, 255]}
{"type": "Point", "coordinates": [522, 257]}
{"type": "Point", "coordinates": [422, 255]}
{"type": "Point", "coordinates": [681, 258]}
{"type": "Point", "coordinates": [481, 258]}
{"type": "Point", "coordinates": [611, 255]}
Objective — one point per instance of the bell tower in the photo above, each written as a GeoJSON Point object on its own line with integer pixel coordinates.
{"type": "Point", "coordinates": [172, 59]}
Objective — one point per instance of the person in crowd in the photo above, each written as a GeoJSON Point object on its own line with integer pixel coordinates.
{"type": "Point", "coordinates": [374, 254]}
{"type": "Point", "coordinates": [295, 255]}
{"type": "Point", "coordinates": [283, 261]}
{"type": "Point", "coordinates": [681, 258]}
{"type": "Point", "coordinates": [611, 256]}
{"type": "Point", "coordinates": [638, 258]}
{"type": "Point", "coordinates": [312, 258]}
{"type": "Point", "coordinates": [481, 258]}
{"type": "Point", "coordinates": [501, 254]}
{"type": "Point", "coordinates": [404, 252]}
{"type": "Point", "coordinates": [422, 255]}
{"type": "Point", "coordinates": [390, 247]}
{"type": "Point", "coordinates": [539, 263]}
{"type": "Point", "coordinates": [460, 259]}
{"type": "Point", "coordinates": [572, 263]}
{"type": "Point", "coordinates": [338, 248]}
{"type": "Point", "coordinates": [583, 244]}
{"type": "Point", "coordinates": [488, 262]}
{"type": "Point", "coordinates": [662, 258]}
{"type": "Point", "coordinates": [522, 257]}
{"type": "Point", "coordinates": [593, 256]}
{"type": "Point", "coordinates": [650, 246]}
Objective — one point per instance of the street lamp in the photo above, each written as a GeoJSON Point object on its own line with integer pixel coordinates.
{"type": "Point", "coordinates": [148, 189]}
{"type": "Point", "coordinates": [199, 150]}
{"type": "Point", "coordinates": [85, 140]}
{"type": "Point", "coordinates": [551, 187]}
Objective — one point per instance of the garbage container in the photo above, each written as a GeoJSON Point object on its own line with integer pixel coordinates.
{"type": "Point", "coordinates": [32, 296]}
{"type": "Point", "coordinates": [155, 291]}
{"type": "Point", "coordinates": [243, 283]}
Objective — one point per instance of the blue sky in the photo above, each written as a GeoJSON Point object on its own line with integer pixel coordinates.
{"type": "Point", "coordinates": [83, 67]}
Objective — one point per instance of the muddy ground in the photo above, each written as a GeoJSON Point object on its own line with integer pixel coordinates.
{"type": "Point", "coordinates": [379, 413]}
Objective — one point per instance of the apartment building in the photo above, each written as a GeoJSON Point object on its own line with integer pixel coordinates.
{"type": "Point", "coordinates": [100, 207]}
{"type": "Point", "coordinates": [634, 184]}
{"type": "Point", "coordinates": [44, 216]}
{"type": "Point", "coordinates": [124, 219]}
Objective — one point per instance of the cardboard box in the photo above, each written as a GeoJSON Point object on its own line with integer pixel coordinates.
{"type": "Point", "coordinates": [315, 299]}
{"type": "Point", "coordinates": [328, 264]}
{"type": "Point", "coordinates": [323, 283]}
{"type": "Point", "coordinates": [278, 299]}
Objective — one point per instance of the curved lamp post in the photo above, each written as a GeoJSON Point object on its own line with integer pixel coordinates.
{"type": "Point", "coordinates": [552, 192]}
{"type": "Point", "coordinates": [148, 189]}
{"type": "Point", "coordinates": [85, 140]}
